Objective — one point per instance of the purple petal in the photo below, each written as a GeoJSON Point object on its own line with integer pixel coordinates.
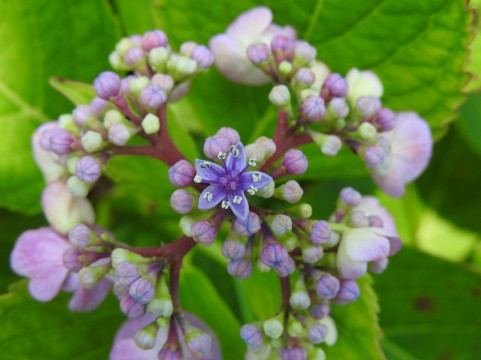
{"type": "Point", "coordinates": [236, 160]}
{"type": "Point", "coordinates": [208, 170]}
{"type": "Point", "coordinates": [250, 25]}
{"type": "Point", "coordinates": [348, 268]}
{"type": "Point", "coordinates": [247, 179]}
{"type": "Point", "coordinates": [88, 299]}
{"type": "Point", "coordinates": [365, 244]}
{"type": "Point", "coordinates": [218, 194]}
{"type": "Point", "coordinates": [240, 210]}
{"type": "Point", "coordinates": [38, 255]}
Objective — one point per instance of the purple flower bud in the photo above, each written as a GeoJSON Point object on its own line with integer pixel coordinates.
{"type": "Point", "coordinates": [313, 108]}
{"type": "Point", "coordinates": [80, 236]}
{"type": "Point", "coordinates": [152, 96]}
{"type": "Point", "coordinates": [88, 169]}
{"type": "Point", "coordinates": [45, 137]}
{"type": "Point", "coordinates": [305, 51]}
{"type": "Point", "coordinates": [317, 333]}
{"type": "Point", "coordinates": [283, 48]}
{"type": "Point", "coordinates": [335, 85]}
{"type": "Point", "coordinates": [153, 39]}
{"type": "Point", "coordinates": [233, 249]}
{"type": "Point", "coordinates": [327, 286]}
{"type": "Point", "coordinates": [350, 197]}
{"type": "Point", "coordinates": [374, 156]}
{"type": "Point", "coordinates": [204, 232]}
{"type": "Point", "coordinates": [134, 56]}
{"type": "Point", "coordinates": [385, 119]}
{"type": "Point", "coordinates": [320, 311]}
{"type": "Point", "coordinates": [230, 134]}
{"type": "Point", "coordinates": [165, 82]}
{"type": "Point", "coordinates": [169, 354]}
{"type": "Point", "coordinates": [258, 53]}
{"type": "Point", "coordinates": [339, 108]}
{"type": "Point", "coordinates": [295, 162]}
{"type": "Point", "coordinates": [181, 201]}
{"type": "Point", "coordinates": [305, 76]}
{"type": "Point", "coordinates": [142, 290]}
{"type": "Point", "coordinates": [320, 232]}
{"type": "Point", "coordinates": [331, 145]}
{"type": "Point", "coordinates": [368, 105]}
{"type": "Point", "coordinates": [133, 309]}
{"type": "Point", "coordinates": [348, 292]}
{"type": "Point", "coordinates": [202, 56]}
{"type": "Point", "coordinates": [292, 191]}
{"type": "Point", "coordinates": [281, 224]}
{"type": "Point", "coordinates": [99, 106]}
{"type": "Point", "coordinates": [216, 144]}
{"type": "Point", "coordinates": [181, 173]}
{"type": "Point", "coordinates": [199, 343]}
{"type": "Point", "coordinates": [287, 268]}
{"type": "Point", "coordinates": [274, 254]}
{"type": "Point", "coordinates": [312, 254]}
{"type": "Point", "coordinates": [82, 115]}
{"type": "Point", "coordinates": [71, 259]}
{"type": "Point", "coordinates": [241, 268]}
{"type": "Point", "coordinates": [107, 85]}
{"type": "Point", "coordinates": [60, 141]}
{"type": "Point", "coordinates": [252, 336]}
{"type": "Point", "coordinates": [119, 134]}
{"type": "Point", "coordinates": [294, 353]}
{"type": "Point", "coordinates": [248, 226]}
{"type": "Point", "coordinates": [126, 270]}
{"type": "Point", "coordinates": [378, 266]}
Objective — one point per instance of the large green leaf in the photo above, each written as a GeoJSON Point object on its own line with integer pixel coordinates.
{"type": "Point", "coordinates": [430, 307]}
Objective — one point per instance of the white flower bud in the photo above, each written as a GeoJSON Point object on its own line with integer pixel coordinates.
{"type": "Point", "coordinates": [151, 124]}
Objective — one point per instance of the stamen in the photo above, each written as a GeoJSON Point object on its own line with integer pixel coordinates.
{"type": "Point", "coordinates": [225, 204]}
{"type": "Point", "coordinates": [221, 155]}
{"type": "Point", "coordinates": [256, 177]}
{"type": "Point", "coordinates": [208, 195]}
{"type": "Point", "coordinates": [233, 150]}
{"type": "Point", "coordinates": [252, 162]}
{"type": "Point", "coordinates": [197, 179]}
{"type": "Point", "coordinates": [252, 190]}
{"type": "Point", "coordinates": [237, 199]}
{"type": "Point", "coordinates": [205, 165]}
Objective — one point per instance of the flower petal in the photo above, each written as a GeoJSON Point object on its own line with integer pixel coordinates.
{"type": "Point", "coordinates": [236, 159]}
{"type": "Point", "coordinates": [45, 159]}
{"type": "Point", "coordinates": [218, 194]}
{"type": "Point", "coordinates": [366, 244]}
{"type": "Point", "coordinates": [240, 208]}
{"type": "Point", "coordinates": [208, 170]}
{"type": "Point", "coordinates": [370, 206]}
{"type": "Point", "coordinates": [88, 299]}
{"type": "Point", "coordinates": [249, 26]}
{"type": "Point", "coordinates": [255, 178]}
{"type": "Point", "coordinates": [349, 268]}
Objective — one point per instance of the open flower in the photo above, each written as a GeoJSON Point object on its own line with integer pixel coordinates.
{"type": "Point", "coordinates": [39, 255]}
{"type": "Point", "coordinates": [230, 47]}
{"type": "Point", "coordinates": [410, 150]}
{"type": "Point", "coordinates": [229, 181]}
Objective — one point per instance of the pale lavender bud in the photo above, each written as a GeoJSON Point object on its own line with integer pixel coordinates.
{"type": "Point", "coordinates": [305, 76]}
{"type": "Point", "coordinates": [181, 173]}
{"type": "Point", "coordinates": [99, 106]}
{"type": "Point", "coordinates": [88, 169]}
{"type": "Point", "coordinates": [300, 300]}
{"type": "Point", "coordinates": [233, 249]}
{"type": "Point", "coordinates": [45, 138]}
{"type": "Point", "coordinates": [258, 53]}
{"type": "Point", "coordinates": [152, 96]}
{"type": "Point", "coordinates": [142, 290]}
{"type": "Point", "coordinates": [187, 48]}
{"type": "Point", "coordinates": [292, 191]}
{"type": "Point", "coordinates": [348, 292]}
{"type": "Point", "coordinates": [125, 84]}
{"type": "Point", "coordinates": [170, 354]}
{"type": "Point", "coordinates": [181, 201]}
{"type": "Point", "coordinates": [331, 145]}
{"type": "Point", "coordinates": [241, 268]}
{"type": "Point", "coordinates": [368, 105]}
{"type": "Point", "coordinates": [335, 85]}
{"type": "Point", "coordinates": [107, 85]}
{"type": "Point", "coordinates": [153, 39]}
{"type": "Point", "coordinates": [248, 226]}
{"type": "Point", "coordinates": [281, 224]}
{"type": "Point", "coordinates": [230, 134]}
{"type": "Point", "coordinates": [280, 96]}
{"type": "Point", "coordinates": [134, 56]}
{"type": "Point", "coordinates": [136, 39]}
{"type": "Point", "coordinates": [71, 259]}
{"type": "Point", "coordinates": [317, 333]}
{"type": "Point", "coordinates": [80, 236]}
{"type": "Point", "coordinates": [203, 56]}
{"type": "Point", "coordinates": [214, 145]}
{"type": "Point", "coordinates": [274, 254]}
{"type": "Point", "coordinates": [350, 197]}
{"type": "Point", "coordinates": [320, 232]}
{"type": "Point", "coordinates": [378, 266]}
{"type": "Point", "coordinates": [283, 48]}
{"type": "Point", "coordinates": [374, 156]}
{"type": "Point", "coordinates": [82, 115]}
{"type": "Point", "coordinates": [61, 141]}
{"type": "Point", "coordinates": [357, 218]}
{"type": "Point", "coordinates": [165, 82]}
{"type": "Point", "coordinates": [385, 119]}
{"type": "Point", "coordinates": [313, 108]}
{"type": "Point", "coordinates": [305, 51]}
{"type": "Point", "coordinates": [295, 162]}
{"type": "Point", "coordinates": [327, 286]}
{"type": "Point", "coordinates": [320, 311]}
{"type": "Point", "coordinates": [119, 134]}
{"type": "Point", "coordinates": [339, 107]}
{"type": "Point", "coordinates": [287, 268]}
{"type": "Point", "coordinates": [203, 232]}
{"type": "Point", "coordinates": [267, 144]}
{"type": "Point", "coordinates": [133, 309]}
{"type": "Point", "coordinates": [127, 271]}
{"type": "Point", "coordinates": [294, 353]}
{"type": "Point", "coordinates": [252, 336]}
{"type": "Point", "coordinates": [199, 343]}
{"type": "Point", "coordinates": [312, 254]}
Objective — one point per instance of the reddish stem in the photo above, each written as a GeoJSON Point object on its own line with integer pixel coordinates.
{"type": "Point", "coordinates": [171, 252]}
{"type": "Point", "coordinates": [174, 282]}
{"type": "Point", "coordinates": [285, 291]}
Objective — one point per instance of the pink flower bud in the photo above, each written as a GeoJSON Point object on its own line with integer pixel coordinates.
{"type": "Point", "coordinates": [153, 39]}
{"type": "Point", "coordinates": [82, 115]}
{"type": "Point", "coordinates": [339, 108]}
{"type": "Point", "coordinates": [282, 48]}
{"type": "Point", "coordinates": [134, 56]}
{"type": "Point", "coordinates": [202, 56]}
{"type": "Point", "coordinates": [119, 134]}
{"type": "Point", "coordinates": [230, 134]}
{"type": "Point", "coordinates": [130, 307]}
{"type": "Point", "coordinates": [60, 141]}
{"type": "Point", "coordinates": [305, 76]}
{"type": "Point", "coordinates": [107, 85]}
{"type": "Point", "coordinates": [99, 107]}
{"type": "Point", "coordinates": [181, 173]}
{"type": "Point", "coordinates": [292, 191]}
{"type": "Point", "coordinates": [258, 53]}
{"type": "Point", "coordinates": [214, 145]}
{"type": "Point", "coordinates": [368, 105]}
{"type": "Point", "coordinates": [350, 197]}
{"type": "Point", "coordinates": [295, 162]}
{"type": "Point", "coordinates": [335, 85]}
{"type": "Point", "coordinates": [305, 51]}
{"type": "Point", "coordinates": [152, 96]}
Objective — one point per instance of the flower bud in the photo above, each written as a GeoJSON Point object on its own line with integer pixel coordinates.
{"type": "Point", "coordinates": [329, 144]}
{"type": "Point", "coordinates": [287, 268]}
{"type": "Point", "coordinates": [180, 67]}
{"type": "Point", "coordinates": [198, 342]}
{"type": "Point", "coordinates": [338, 108]}
{"type": "Point", "coordinates": [335, 86]}
{"type": "Point", "coordinates": [202, 56]}
{"type": "Point", "coordinates": [375, 221]}
{"type": "Point", "coordinates": [142, 290]}
{"type": "Point", "coordinates": [378, 266]}
{"type": "Point", "coordinates": [107, 85]}
{"type": "Point", "coordinates": [185, 224]}
{"type": "Point", "coordinates": [348, 292]}
{"type": "Point", "coordinates": [252, 336]}
{"type": "Point", "coordinates": [214, 145]}
{"type": "Point", "coordinates": [294, 327]}
{"type": "Point", "coordinates": [331, 336]}
{"type": "Point", "coordinates": [137, 84]}
{"type": "Point", "coordinates": [230, 134]}
{"type": "Point", "coordinates": [256, 152]}
{"type": "Point", "coordinates": [77, 187]}
{"type": "Point", "coordinates": [83, 116]}
{"type": "Point", "coordinates": [385, 120]}
{"type": "Point", "coordinates": [119, 134]}
{"type": "Point", "coordinates": [374, 156]}
{"type": "Point", "coordinates": [327, 286]}
{"type": "Point", "coordinates": [321, 71]}
{"type": "Point", "coordinates": [273, 328]}
{"type": "Point", "coordinates": [282, 48]}
{"type": "Point", "coordinates": [163, 81]}
{"type": "Point", "coordinates": [134, 57]}
{"type": "Point", "coordinates": [125, 274]}
{"type": "Point", "coordinates": [81, 236]}
{"type": "Point", "coordinates": [295, 162]}
{"type": "Point", "coordinates": [313, 108]}
{"type": "Point", "coordinates": [187, 47]}
{"type": "Point", "coordinates": [233, 249]}
{"type": "Point", "coordinates": [120, 255]}
{"type": "Point", "coordinates": [181, 201]}
{"type": "Point", "coordinates": [350, 197]}
{"type": "Point", "coordinates": [320, 311]}
{"type": "Point", "coordinates": [291, 192]}
{"type": "Point", "coordinates": [363, 83]}
{"type": "Point", "coordinates": [274, 254]}
{"type": "Point", "coordinates": [294, 353]}
{"type": "Point", "coordinates": [305, 77]}
{"type": "Point", "coordinates": [113, 117]}
{"type": "Point", "coordinates": [179, 91]}
{"type": "Point", "coordinates": [280, 96]}
{"type": "Point", "coordinates": [280, 224]}
{"type": "Point", "coordinates": [285, 69]}
{"type": "Point", "coordinates": [158, 58]}
{"type": "Point", "coordinates": [92, 141]}
{"type": "Point", "coordinates": [312, 254]}
{"type": "Point", "coordinates": [98, 107]}
{"type": "Point", "coordinates": [267, 191]}
{"type": "Point", "coordinates": [258, 53]}
{"type": "Point", "coordinates": [320, 232]}
{"type": "Point", "coordinates": [152, 96]}
{"type": "Point", "coordinates": [368, 106]}
{"type": "Point", "coordinates": [88, 169]}
{"type": "Point", "coordinates": [133, 309]}
{"type": "Point", "coordinates": [248, 226]}
{"type": "Point", "coordinates": [90, 276]}
{"type": "Point", "coordinates": [154, 39]}
{"type": "Point", "coordinates": [303, 211]}
{"type": "Point", "coordinates": [204, 232]}
{"type": "Point", "coordinates": [71, 259]}
{"type": "Point", "coordinates": [181, 173]}
{"type": "Point", "coordinates": [305, 52]}
{"type": "Point", "coordinates": [300, 299]}
{"type": "Point", "coordinates": [146, 338]}
{"type": "Point", "coordinates": [317, 333]}
{"type": "Point", "coordinates": [267, 144]}
{"type": "Point", "coordinates": [150, 124]}
{"type": "Point", "coordinates": [241, 268]}
{"type": "Point", "coordinates": [60, 141]}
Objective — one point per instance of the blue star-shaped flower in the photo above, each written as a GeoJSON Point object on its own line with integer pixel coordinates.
{"type": "Point", "coordinates": [229, 181]}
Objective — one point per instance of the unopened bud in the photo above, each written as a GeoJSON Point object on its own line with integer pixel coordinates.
{"type": "Point", "coordinates": [216, 144]}
{"type": "Point", "coordinates": [304, 52]}
{"type": "Point", "coordinates": [71, 259]}
{"type": "Point", "coordinates": [90, 276]}
{"type": "Point", "coordinates": [152, 96]}
{"type": "Point", "coordinates": [363, 83]}
{"type": "Point", "coordinates": [295, 162]}
{"type": "Point", "coordinates": [158, 58]}
{"type": "Point", "coordinates": [367, 106]}
{"type": "Point", "coordinates": [385, 120]}
{"type": "Point", "coordinates": [77, 187]}
{"type": "Point", "coordinates": [320, 232]}
{"type": "Point", "coordinates": [374, 156]}
{"type": "Point", "coordinates": [163, 81]}
{"type": "Point", "coordinates": [303, 211]}
{"type": "Point", "coordinates": [240, 268]}
{"type": "Point", "coordinates": [60, 141]}
{"type": "Point", "coordinates": [305, 77]}
{"type": "Point", "coordinates": [133, 309]}
{"type": "Point", "coordinates": [181, 173]}
{"type": "Point", "coordinates": [348, 292]}
{"type": "Point", "coordinates": [107, 85]}
{"type": "Point", "coordinates": [274, 254]}
{"type": "Point", "coordinates": [273, 328]}
{"type": "Point", "coordinates": [317, 333]}
{"type": "Point", "coordinates": [280, 96]}
{"type": "Point", "coordinates": [88, 169]}
{"type": "Point", "coordinates": [181, 201]}
{"type": "Point", "coordinates": [331, 336]}
{"type": "Point", "coordinates": [248, 226]}
{"type": "Point", "coordinates": [312, 253]}
{"type": "Point", "coordinates": [280, 224]}
{"type": "Point", "coordinates": [119, 134]}
{"type": "Point", "coordinates": [327, 286]}
{"type": "Point", "coordinates": [291, 192]}
{"type": "Point", "coordinates": [258, 53]}
{"type": "Point", "coordinates": [295, 352]}
{"type": "Point", "coordinates": [378, 266]}
{"type": "Point", "coordinates": [138, 83]}
{"type": "Point", "coordinates": [267, 191]}
{"type": "Point", "coordinates": [255, 151]}
{"type": "Point", "coordinates": [328, 144]}
{"type": "Point", "coordinates": [233, 249]}
{"type": "Point", "coordinates": [202, 56]}
{"type": "Point", "coordinates": [154, 39]}
{"type": "Point", "coordinates": [252, 336]}
{"type": "Point", "coordinates": [350, 197]}
{"type": "Point", "coordinates": [313, 108]}
{"type": "Point", "coordinates": [83, 116]}
{"type": "Point", "coordinates": [204, 232]}
{"type": "Point", "coordinates": [81, 236]}
{"type": "Point", "coordinates": [135, 57]}
{"type": "Point", "coordinates": [335, 86]}
{"type": "Point", "coordinates": [150, 124]}
{"type": "Point", "coordinates": [267, 144]}
{"type": "Point", "coordinates": [300, 298]}
{"type": "Point", "coordinates": [230, 134]}
{"type": "Point", "coordinates": [92, 141]}
{"type": "Point", "coordinates": [146, 338]}
{"type": "Point", "coordinates": [338, 108]}
{"type": "Point", "coordinates": [142, 290]}
{"type": "Point", "coordinates": [198, 342]}
{"type": "Point", "coordinates": [185, 225]}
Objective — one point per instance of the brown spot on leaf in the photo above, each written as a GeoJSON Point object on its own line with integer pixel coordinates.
{"type": "Point", "coordinates": [476, 292]}
{"type": "Point", "coordinates": [424, 304]}
{"type": "Point", "coordinates": [445, 356]}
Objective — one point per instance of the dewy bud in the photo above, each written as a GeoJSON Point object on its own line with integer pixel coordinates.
{"type": "Point", "coordinates": [119, 134]}
{"type": "Point", "coordinates": [267, 144]}
{"type": "Point", "coordinates": [163, 81]}
{"type": "Point", "coordinates": [252, 336]}
{"type": "Point", "coordinates": [291, 192]}
{"type": "Point", "coordinates": [233, 249]}
{"type": "Point", "coordinates": [214, 145]}
{"type": "Point", "coordinates": [202, 56]}
{"type": "Point", "coordinates": [320, 232]}
{"type": "Point", "coordinates": [249, 226]}
{"type": "Point", "coordinates": [88, 169]}
{"type": "Point", "coordinates": [295, 162]}
{"type": "Point", "coordinates": [280, 224]}
{"type": "Point", "coordinates": [107, 85]}
{"type": "Point", "coordinates": [146, 338]}
{"type": "Point", "coordinates": [258, 53]}
{"type": "Point", "coordinates": [368, 105]}
{"type": "Point", "coordinates": [92, 141]}
{"type": "Point", "coordinates": [60, 141]}
{"type": "Point", "coordinates": [142, 290]}
{"type": "Point", "coordinates": [150, 124]}
{"type": "Point", "coordinates": [240, 268]}
{"type": "Point", "coordinates": [181, 201]}
{"type": "Point", "coordinates": [154, 39]}
{"type": "Point", "coordinates": [313, 108]}
{"type": "Point", "coordinates": [273, 328]}
{"type": "Point", "coordinates": [280, 96]}
{"type": "Point", "coordinates": [335, 85]}
{"type": "Point", "coordinates": [181, 173]}
{"type": "Point", "coordinates": [350, 197]}
{"type": "Point", "coordinates": [77, 187]}
{"type": "Point", "coordinates": [327, 286]}
{"type": "Point", "coordinates": [152, 96]}
{"type": "Point", "coordinates": [204, 232]}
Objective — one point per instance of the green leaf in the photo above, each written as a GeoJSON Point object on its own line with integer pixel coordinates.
{"type": "Point", "coordinates": [34, 330]}
{"type": "Point", "coordinates": [469, 123]}
{"type": "Point", "coordinates": [77, 92]}
{"type": "Point", "coordinates": [40, 40]}
{"type": "Point", "coordinates": [430, 307]}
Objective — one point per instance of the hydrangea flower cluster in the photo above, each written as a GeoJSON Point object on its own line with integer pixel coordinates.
{"type": "Point", "coordinates": [317, 260]}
